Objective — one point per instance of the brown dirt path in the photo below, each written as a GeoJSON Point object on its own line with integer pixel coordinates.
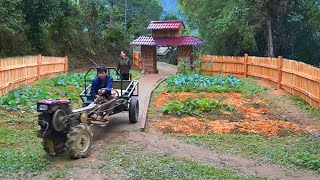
{"type": "Point", "coordinates": [119, 128]}
{"type": "Point", "coordinates": [166, 145]}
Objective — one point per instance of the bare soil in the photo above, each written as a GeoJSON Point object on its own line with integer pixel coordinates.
{"type": "Point", "coordinates": [156, 142]}
{"type": "Point", "coordinates": [251, 116]}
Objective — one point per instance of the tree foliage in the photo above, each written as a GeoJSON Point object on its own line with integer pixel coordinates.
{"type": "Point", "coordinates": [96, 29]}
{"type": "Point", "coordinates": [258, 27]}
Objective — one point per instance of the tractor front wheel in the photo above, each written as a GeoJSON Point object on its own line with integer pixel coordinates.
{"type": "Point", "coordinates": [79, 141]}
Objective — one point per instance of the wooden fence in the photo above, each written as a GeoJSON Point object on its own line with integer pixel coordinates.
{"type": "Point", "coordinates": [137, 60]}
{"type": "Point", "coordinates": [297, 78]}
{"type": "Point", "coordinates": [18, 71]}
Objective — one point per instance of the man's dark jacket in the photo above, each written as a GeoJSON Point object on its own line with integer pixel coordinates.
{"type": "Point", "coordinates": [97, 84]}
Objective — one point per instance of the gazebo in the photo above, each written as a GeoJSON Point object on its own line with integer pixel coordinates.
{"type": "Point", "coordinates": [164, 33]}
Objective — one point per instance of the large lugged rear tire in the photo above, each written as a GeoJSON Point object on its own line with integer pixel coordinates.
{"type": "Point", "coordinates": [58, 145]}
{"type": "Point", "coordinates": [134, 110]}
{"type": "Point", "coordinates": [79, 141]}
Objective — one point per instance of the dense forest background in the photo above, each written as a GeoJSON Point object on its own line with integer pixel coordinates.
{"type": "Point", "coordinates": [100, 29]}
{"type": "Point", "coordinates": [80, 29]}
{"type": "Point", "coordinates": [290, 28]}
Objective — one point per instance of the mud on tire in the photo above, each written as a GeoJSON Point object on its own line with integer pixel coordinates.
{"type": "Point", "coordinates": [79, 141]}
{"type": "Point", "coordinates": [58, 145]}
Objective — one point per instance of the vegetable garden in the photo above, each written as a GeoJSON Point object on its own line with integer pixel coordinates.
{"type": "Point", "coordinates": [227, 113]}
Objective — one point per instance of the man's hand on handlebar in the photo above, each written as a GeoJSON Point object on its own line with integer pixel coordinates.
{"type": "Point", "coordinates": [101, 92]}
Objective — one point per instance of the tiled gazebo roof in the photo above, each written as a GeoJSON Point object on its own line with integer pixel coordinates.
{"type": "Point", "coordinates": [160, 25]}
{"type": "Point", "coordinates": [167, 41]}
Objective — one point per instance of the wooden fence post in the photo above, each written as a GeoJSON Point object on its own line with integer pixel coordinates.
{"type": "Point", "coordinates": [280, 64]}
{"type": "Point", "coordinates": [65, 64]}
{"type": "Point", "coordinates": [246, 65]}
{"type": "Point", "coordinates": [39, 59]}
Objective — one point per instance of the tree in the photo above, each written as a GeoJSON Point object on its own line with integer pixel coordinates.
{"type": "Point", "coordinates": [259, 27]}
{"type": "Point", "coordinates": [170, 16]}
{"type": "Point", "coordinates": [78, 29]}
{"type": "Point", "coordinates": [225, 27]}
{"type": "Point", "coordinates": [12, 39]}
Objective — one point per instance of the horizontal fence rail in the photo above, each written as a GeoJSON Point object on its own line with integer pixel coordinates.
{"type": "Point", "coordinates": [17, 71]}
{"type": "Point", "coordinates": [295, 77]}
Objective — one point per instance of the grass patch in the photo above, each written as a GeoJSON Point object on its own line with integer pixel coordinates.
{"type": "Point", "coordinates": [20, 152]}
{"type": "Point", "coordinates": [58, 174]}
{"type": "Point", "coordinates": [288, 151]}
{"type": "Point", "coordinates": [305, 106]}
{"type": "Point", "coordinates": [161, 88]}
{"type": "Point", "coordinates": [136, 74]}
{"type": "Point", "coordinates": [126, 162]}
{"type": "Point", "coordinates": [248, 87]}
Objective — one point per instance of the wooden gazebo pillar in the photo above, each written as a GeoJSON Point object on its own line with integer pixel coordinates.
{"type": "Point", "coordinates": [149, 59]}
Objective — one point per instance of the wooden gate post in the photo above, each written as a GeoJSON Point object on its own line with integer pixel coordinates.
{"type": "Point", "coordinates": [65, 64]}
{"type": "Point", "coordinates": [280, 64]}
{"type": "Point", "coordinates": [39, 58]}
{"type": "Point", "coordinates": [246, 65]}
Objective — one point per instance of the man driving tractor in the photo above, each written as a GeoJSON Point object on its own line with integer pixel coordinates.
{"type": "Point", "coordinates": [101, 92]}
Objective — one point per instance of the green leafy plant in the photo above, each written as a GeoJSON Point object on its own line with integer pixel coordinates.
{"type": "Point", "coordinates": [195, 107]}
{"type": "Point", "coordinates": [185, 66]}
{"type": "Point", "coordinates": [308, 160]}
{"type": "Point", "coordinates": [194, 82]}
{"type": "Point", "coordinates": [24, 98]}
{"type": "Point", "coordinates": [197, 82]}
{"type": "Point", "coordinates": [197, 66]}
{"type": "Point", "coordinates": [249, 87]}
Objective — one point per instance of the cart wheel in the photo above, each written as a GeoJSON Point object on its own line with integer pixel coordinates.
{"type": "Point", "coordinates": [134, 110]}
{"type": "Point", "coordinates": [79, 141]}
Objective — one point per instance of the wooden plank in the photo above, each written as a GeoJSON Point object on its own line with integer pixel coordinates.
{"type": "Point", "coordinates": [230, 72]}
{"type": "Point", "coordinates": [246, 65]}
{"type": "Point", "coordinates": [301, 91]}
{"type": "Point", "coordinates": [51, 72]}
{"type": "Point", "coordinates": [280, 63]}
{"type": "Point", "coordinates": [303, 75]}
{"type": "Point", "coordinates": [7, 68]}
{"type": "Point", "coordinates": [264, 65]}
{"type": "Point", "coordinates": [263, 76]}
{"type": "Point", "coordinates": [39, 66]}
{"type": "Point", "coordinates": [15, 82]}
{"type": "Point", "coordinates": [52, 63]}
{"type": "Point", "coordinates": [65, 67]}
{"type": "Point", "coordinates": [225, 62]}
